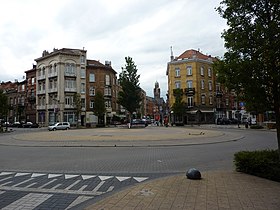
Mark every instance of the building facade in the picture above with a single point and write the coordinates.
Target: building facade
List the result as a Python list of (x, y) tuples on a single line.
[(30, 100), (59, 76), (192, 72), (103, 78)]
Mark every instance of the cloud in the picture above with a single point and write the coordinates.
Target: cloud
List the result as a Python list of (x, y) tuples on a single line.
[(109, 30)]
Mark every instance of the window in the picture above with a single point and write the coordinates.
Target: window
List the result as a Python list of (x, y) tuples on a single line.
[(177, 84), (91, 104), (189, 84), (209, 72), (190, 101), (50, 84), (203, 99), (177, 72), (210, 85), (107, 91), (108, 104), (83, 87), (70, 84), (70, 68), (32, 80), (83, 103), (202, 71), (91, 77), (227, 101), (202, 84), (107, 79), (218, 87), (69, 100), (91, 91), (83, 59), (83, 73), (210, 100), (189, 70)]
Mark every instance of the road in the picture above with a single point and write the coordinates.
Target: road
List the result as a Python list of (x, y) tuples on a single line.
[(81, 175)]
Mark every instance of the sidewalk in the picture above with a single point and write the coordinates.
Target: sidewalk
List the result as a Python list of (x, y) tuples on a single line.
[(216, 190)]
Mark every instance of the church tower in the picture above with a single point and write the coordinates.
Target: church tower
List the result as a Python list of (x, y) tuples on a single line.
[(157, 92)]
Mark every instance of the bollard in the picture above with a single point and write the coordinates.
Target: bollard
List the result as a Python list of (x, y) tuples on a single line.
[(193, 173)]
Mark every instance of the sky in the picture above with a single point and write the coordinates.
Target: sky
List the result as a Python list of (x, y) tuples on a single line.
[(109, 30)]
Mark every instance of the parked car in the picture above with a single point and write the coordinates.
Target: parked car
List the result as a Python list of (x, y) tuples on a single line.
[(138, 123), (234, 121), (29, 125), (17, 125), (223, 121), (59, 126)]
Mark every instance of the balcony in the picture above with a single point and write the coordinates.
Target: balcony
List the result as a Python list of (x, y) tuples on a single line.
[(53, 74), (41, 92), (70, 89), (189, 91), (70, 74), (52, 90), (40, 107), (41, 77)]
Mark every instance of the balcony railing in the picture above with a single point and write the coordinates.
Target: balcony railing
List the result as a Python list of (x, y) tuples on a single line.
[(70, 89), (41, 77), (189, 91), (53, 74), (52, 90), (41, 91)]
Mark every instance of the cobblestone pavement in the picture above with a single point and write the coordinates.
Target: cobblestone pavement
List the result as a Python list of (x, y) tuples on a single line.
[(216, 190)]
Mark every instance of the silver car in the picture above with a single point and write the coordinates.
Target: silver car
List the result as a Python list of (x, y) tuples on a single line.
[(59, 126)]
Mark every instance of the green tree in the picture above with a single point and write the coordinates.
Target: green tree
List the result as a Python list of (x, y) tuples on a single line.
[(78, 106), (99, 107), (178, 107), (251, 64), (4, 107), (130, 95)]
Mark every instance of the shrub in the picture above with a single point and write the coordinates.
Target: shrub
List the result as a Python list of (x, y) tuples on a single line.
[(256, 127), (264, 163)]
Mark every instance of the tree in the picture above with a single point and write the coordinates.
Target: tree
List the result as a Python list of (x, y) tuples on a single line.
[(251, 65), (130, 95), (99, 107), (78, 105), (178, 107), (3, 104)]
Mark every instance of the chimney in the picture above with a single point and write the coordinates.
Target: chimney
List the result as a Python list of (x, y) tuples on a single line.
[(108, 63), (171, 56)]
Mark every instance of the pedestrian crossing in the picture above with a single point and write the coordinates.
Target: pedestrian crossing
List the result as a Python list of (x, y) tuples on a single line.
[(22, 189)]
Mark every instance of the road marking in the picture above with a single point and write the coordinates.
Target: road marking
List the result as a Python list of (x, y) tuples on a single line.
[(103, 178), (140, 179), (72, 185), (34, 175), (44, 185), (70, 176), (122, 178), (50, 176), (6, 173), (29, 201), (21, 174), (98, 186), (28, 180), (84, 177)]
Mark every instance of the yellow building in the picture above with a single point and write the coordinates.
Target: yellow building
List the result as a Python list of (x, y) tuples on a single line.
[(192, 72)]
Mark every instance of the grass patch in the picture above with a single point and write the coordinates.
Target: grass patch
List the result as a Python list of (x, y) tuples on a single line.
[(264, 163)]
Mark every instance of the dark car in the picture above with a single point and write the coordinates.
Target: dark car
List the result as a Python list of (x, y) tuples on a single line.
[(30, 125), (223, 121), (234, 121)]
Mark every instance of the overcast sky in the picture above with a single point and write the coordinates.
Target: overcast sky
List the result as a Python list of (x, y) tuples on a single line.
[(109, 30)]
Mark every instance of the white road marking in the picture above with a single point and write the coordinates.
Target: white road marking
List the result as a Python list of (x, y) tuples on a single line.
[(122, 178), (6, 173), (67, 176), (21, 174), (84, 177), (72, 185), (27, 180), (103, 178), (37, 175), (54, 175), (140, 179)]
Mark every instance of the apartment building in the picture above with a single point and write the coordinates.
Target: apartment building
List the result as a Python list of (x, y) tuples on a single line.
[(103, 78), (192, 72), (30, 100), (59, 76)]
